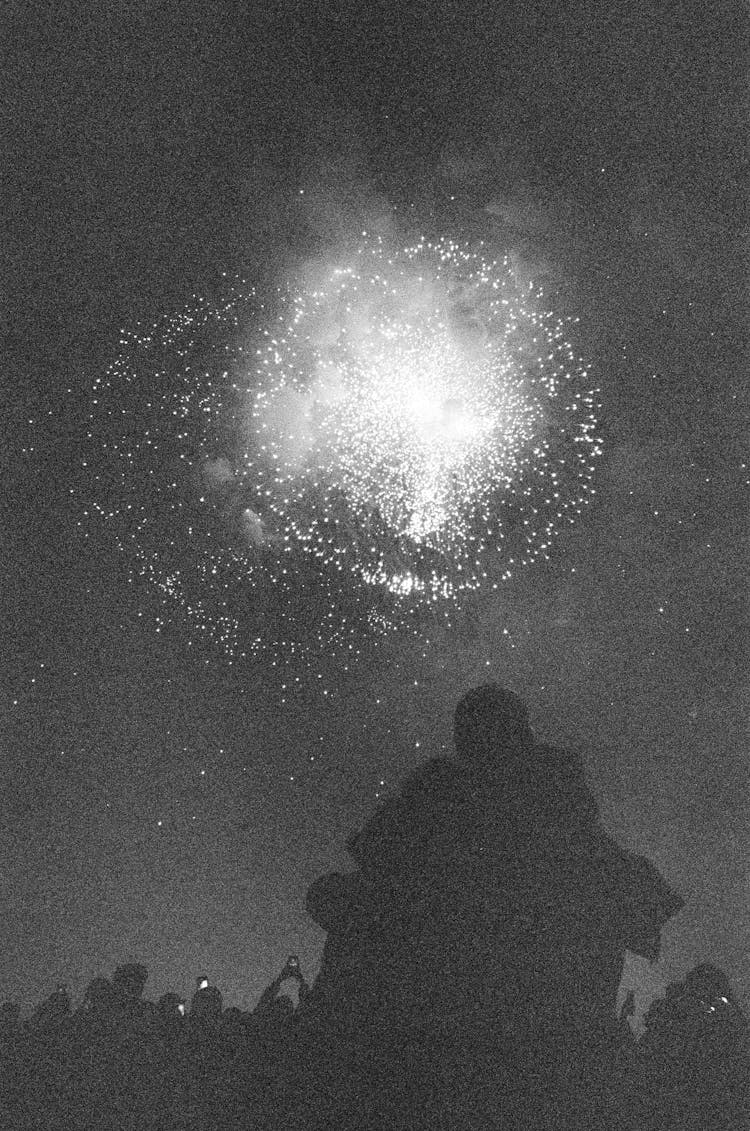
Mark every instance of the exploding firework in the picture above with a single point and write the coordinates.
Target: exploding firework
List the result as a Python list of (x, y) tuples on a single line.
[(397, 433)]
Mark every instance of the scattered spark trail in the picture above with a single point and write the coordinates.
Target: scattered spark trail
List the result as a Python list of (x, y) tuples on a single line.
[(397, 433)]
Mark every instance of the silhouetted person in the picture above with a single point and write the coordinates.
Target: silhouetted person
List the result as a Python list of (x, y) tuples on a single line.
[(206, 1005), (99, 999), (128, 982), (490, 912), (170, 1014), (100, 1013), (171, 1007), (273, 1031), (290, 972), (491, 723), (694, 1056), (55, 1009)]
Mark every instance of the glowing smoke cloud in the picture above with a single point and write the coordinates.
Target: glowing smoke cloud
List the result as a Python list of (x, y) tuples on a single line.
[(410, 428)]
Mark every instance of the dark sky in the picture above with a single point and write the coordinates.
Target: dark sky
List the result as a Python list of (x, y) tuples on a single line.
[(159, 804)]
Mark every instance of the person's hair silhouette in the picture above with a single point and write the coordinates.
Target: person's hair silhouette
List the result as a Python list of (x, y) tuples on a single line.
[(490, 723)]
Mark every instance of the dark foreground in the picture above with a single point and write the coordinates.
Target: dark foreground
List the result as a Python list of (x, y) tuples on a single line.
[(468, 981)]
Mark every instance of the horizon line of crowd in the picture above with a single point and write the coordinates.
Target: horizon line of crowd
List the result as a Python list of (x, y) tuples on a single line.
[(123, 994)]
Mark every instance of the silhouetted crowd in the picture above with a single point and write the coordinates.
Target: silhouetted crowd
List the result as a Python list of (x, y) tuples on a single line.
[(468, 981), (119, 1060)]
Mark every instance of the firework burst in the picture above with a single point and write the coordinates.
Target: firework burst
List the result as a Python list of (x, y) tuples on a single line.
[(401, 431)]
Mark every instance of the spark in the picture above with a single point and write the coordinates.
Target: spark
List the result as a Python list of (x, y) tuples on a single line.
[(383, 439)]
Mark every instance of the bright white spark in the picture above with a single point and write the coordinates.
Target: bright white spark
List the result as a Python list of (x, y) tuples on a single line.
[(408, 428)]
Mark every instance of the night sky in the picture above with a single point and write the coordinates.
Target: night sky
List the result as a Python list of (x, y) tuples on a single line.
[(162, 804)]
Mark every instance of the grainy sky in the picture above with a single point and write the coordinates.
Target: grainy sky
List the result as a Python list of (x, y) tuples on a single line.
[(162, 805)]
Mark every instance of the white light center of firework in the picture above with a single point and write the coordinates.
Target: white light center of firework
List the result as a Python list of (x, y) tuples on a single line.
[(408, 427)]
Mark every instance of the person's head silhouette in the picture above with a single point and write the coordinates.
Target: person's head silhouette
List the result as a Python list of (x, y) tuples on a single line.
[(490, 724), (99, 996), (207, 1004), (129, 981)]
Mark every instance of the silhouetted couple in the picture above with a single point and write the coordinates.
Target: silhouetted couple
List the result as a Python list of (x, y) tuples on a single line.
[(484, 932)]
